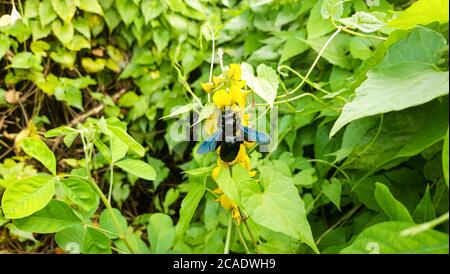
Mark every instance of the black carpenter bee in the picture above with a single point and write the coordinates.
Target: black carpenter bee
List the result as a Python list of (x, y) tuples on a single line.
[(230, 135)]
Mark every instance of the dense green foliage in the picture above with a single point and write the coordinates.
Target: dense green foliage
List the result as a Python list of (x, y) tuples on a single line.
[(87, 96)]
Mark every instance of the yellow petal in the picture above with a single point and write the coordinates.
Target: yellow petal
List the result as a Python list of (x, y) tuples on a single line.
[(218, 191), (234, 73), (227, 203), (237, 96), (236, 215), (221, 98), (217, 80), (207, 87), (215, 172)]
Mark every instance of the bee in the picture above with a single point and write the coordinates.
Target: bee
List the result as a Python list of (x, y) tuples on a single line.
[(230, 135)]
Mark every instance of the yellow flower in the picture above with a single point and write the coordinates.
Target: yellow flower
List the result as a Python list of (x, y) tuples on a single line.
[(228, 204), (207, 87), (217, 80), (234, 73), (222, 98)]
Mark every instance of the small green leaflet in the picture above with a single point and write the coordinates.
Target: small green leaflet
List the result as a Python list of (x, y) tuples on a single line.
[(138, 168), (363, 21), (332, 9), (265, 85), (25, 197), (161, 233), (55, 217), (39, 150), (395, 210)]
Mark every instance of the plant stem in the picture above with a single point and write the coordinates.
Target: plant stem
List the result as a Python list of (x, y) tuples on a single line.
[(111, 170), (322, 50), (341, 220), (228, 240), (251, 236), (247, 251), (102, 196), (425, 226), (113, 216)]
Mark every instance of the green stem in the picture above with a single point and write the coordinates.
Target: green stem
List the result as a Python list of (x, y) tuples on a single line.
[(113, 216), (111, 170), (102, 195), (247, 251), (228, 240), (341, 220), (103, 230), (425, 226), (251, 236)]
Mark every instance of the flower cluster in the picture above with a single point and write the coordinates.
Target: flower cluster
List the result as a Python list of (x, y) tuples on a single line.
[(228, 92)]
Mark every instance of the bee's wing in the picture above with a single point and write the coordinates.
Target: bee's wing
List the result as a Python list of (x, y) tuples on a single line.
[(210, 143), (251, 135)]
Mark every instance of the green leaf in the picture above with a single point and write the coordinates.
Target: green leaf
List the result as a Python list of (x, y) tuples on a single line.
[(265, 85), (78, 42), (424, 211), (188, 207), (118, 148), (305, 177), (112, 19), (26, 60), (333, 191), (65, 9), (137, 244), (138, 168), (395, 210), (445, 163), (363, 21), (107, 223), (71, 95), (385, 238), (316, 26), (81, 239), (55, 217), (278, 207), (132, 144), (161, 37), (401, 80), (62, 130), (291, 48), (332, 9), (353, 134), (152, 9), (31, 8), (91, 6), (65, 58), (38, 149), (128, 10), (46, 12), (81, 24), (161, 233), (231, 184), (25, 197), (64, 32), (80, 192), (93, 66), (4, 45), (39, 48), (422, 12), (335, 52)]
